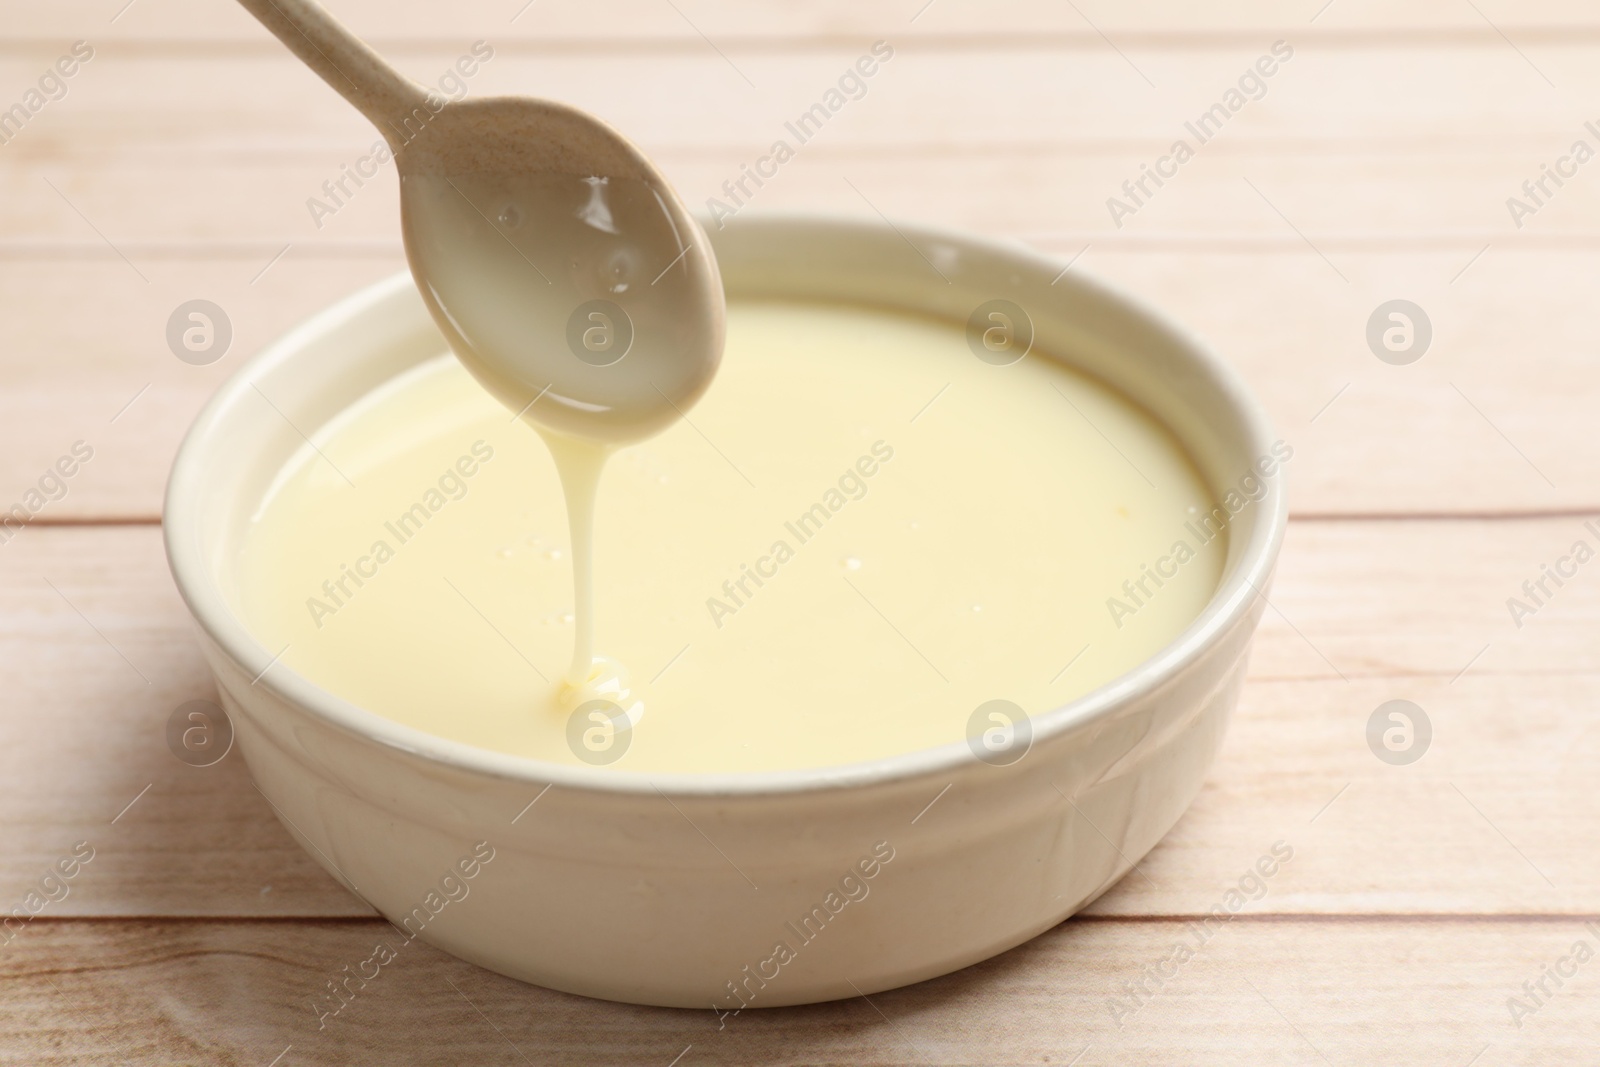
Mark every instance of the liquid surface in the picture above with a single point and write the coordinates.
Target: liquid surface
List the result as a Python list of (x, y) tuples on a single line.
[(864, 534)]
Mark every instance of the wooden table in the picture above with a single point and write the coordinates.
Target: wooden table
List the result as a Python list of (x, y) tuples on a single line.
[(1376, 166)]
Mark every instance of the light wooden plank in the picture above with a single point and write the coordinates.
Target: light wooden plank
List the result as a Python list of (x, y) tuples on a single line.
[(99, 654), (1495, 818), (1498, 817), (1300, 992), (1477, 425), (106, 377), (190, 110), (1302, 198)]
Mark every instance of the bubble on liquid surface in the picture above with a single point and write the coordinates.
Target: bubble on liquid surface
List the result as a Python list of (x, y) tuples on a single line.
[(850, 563)]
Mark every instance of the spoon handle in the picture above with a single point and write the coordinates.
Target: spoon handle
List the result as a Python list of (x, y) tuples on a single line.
[(344, 61)]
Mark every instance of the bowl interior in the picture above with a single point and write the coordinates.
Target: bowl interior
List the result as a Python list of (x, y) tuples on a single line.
[(283, 396)]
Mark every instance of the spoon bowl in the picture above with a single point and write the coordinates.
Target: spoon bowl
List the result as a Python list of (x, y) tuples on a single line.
[(572, 283), (561, 266)]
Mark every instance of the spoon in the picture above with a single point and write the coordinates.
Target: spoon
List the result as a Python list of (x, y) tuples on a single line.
[(558, 262), (560, 265)]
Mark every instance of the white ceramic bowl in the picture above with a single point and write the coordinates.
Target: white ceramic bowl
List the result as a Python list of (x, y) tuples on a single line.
[(676, 890)]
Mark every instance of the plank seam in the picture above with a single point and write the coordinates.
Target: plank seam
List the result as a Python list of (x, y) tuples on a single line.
[(1152, 918), (1007, 40)]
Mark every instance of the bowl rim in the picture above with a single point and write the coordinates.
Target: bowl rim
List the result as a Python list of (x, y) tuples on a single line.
[(1229, 607)]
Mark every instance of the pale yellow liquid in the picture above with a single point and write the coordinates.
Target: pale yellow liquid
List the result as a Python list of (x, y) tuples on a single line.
[(974, 564)]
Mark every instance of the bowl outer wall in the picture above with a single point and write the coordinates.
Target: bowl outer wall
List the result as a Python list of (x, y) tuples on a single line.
[(663, 889)]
